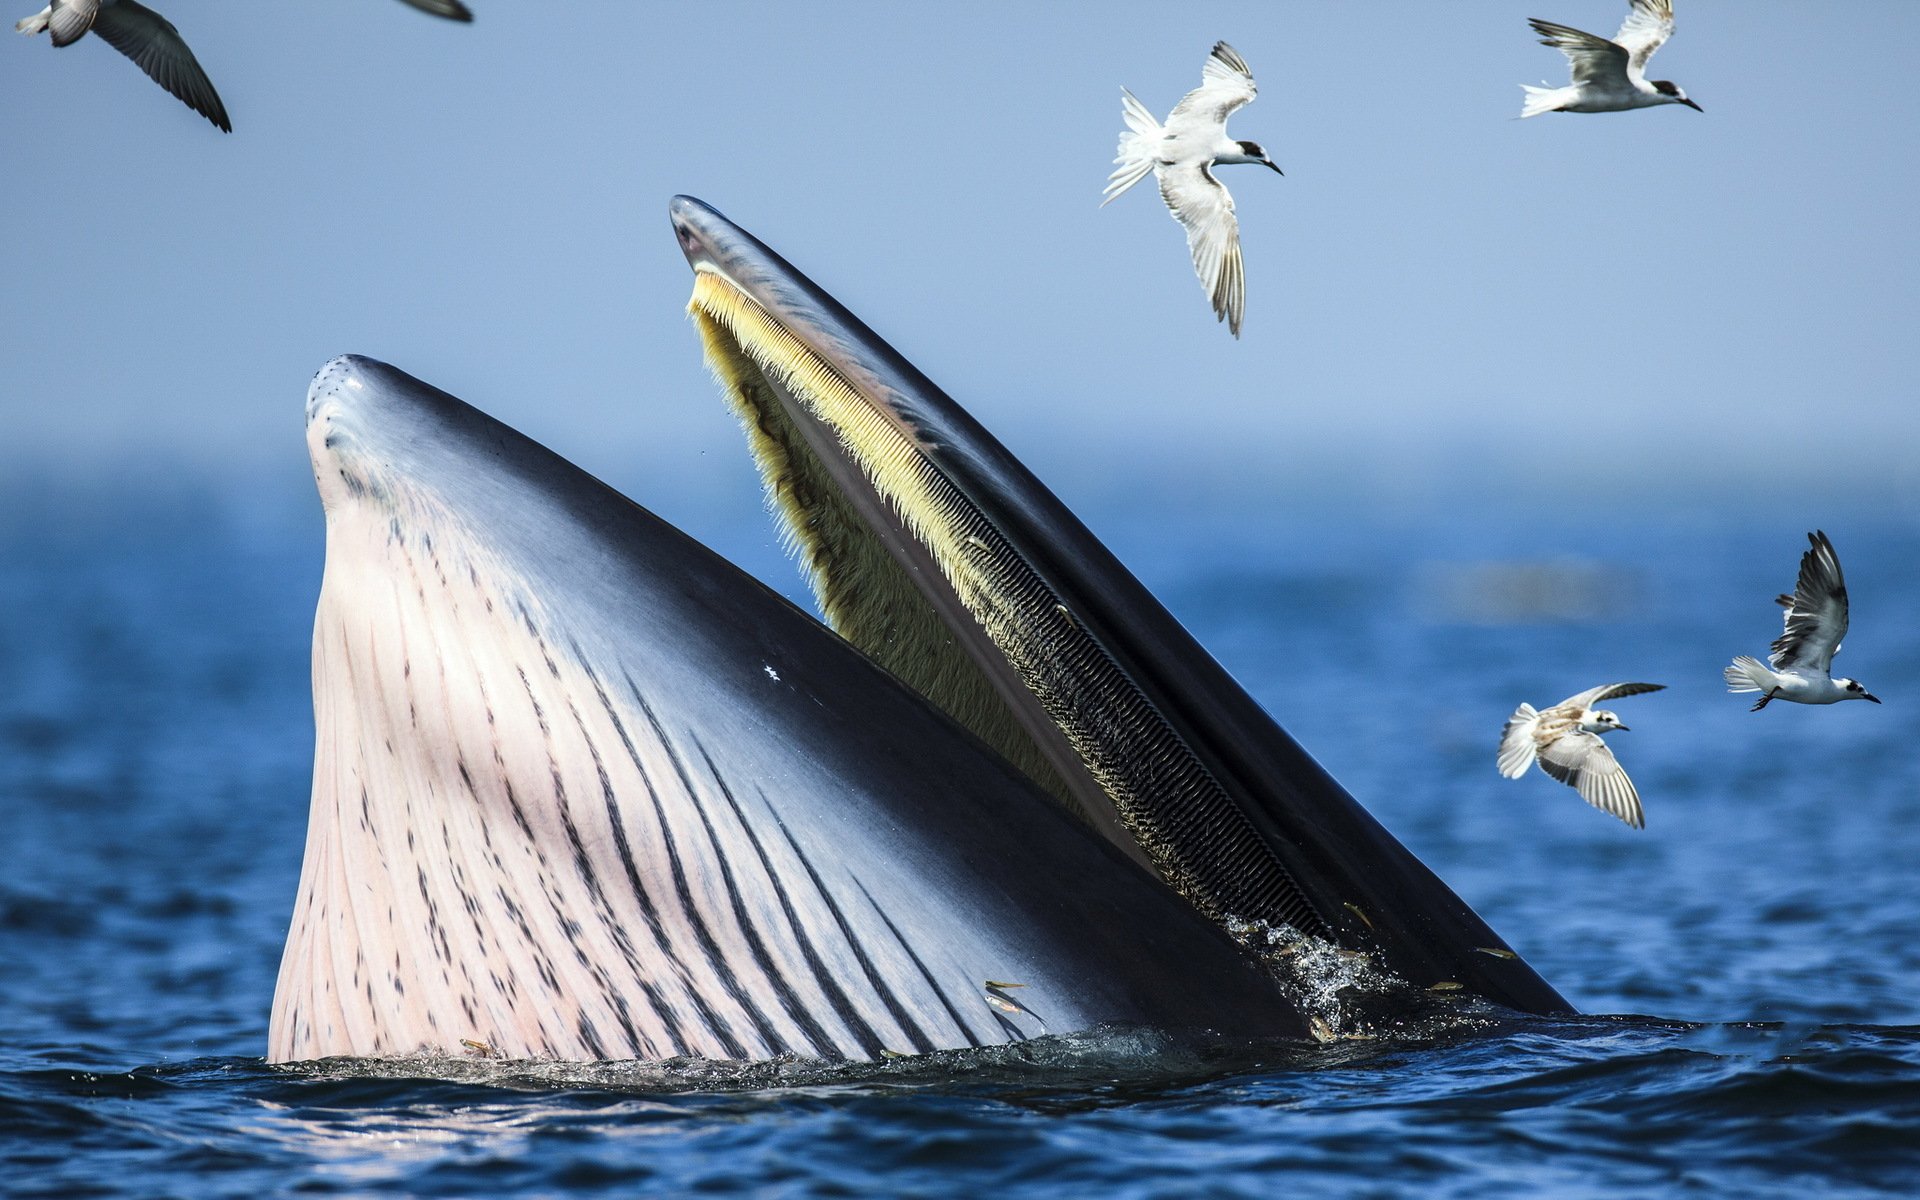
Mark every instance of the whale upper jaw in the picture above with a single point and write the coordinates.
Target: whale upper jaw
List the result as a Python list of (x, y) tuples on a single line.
[(935, 551)]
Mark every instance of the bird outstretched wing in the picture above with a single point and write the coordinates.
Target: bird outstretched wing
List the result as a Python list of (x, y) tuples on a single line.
[(452, 10), (1575, 705), (1595, 59), (1226, 83), (1204, 208), (1583, 762), (156, 47), (1648, 25), (1816, 616)]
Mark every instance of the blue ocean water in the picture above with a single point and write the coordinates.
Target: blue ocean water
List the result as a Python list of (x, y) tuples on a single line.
[(1749, 960)]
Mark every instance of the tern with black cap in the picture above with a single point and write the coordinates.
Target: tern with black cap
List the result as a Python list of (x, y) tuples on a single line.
[(1182, 154), (1802, 656), (1609, 76)]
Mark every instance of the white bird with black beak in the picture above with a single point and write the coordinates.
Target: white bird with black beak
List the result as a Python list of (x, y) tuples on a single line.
[(1609, 76), (1565, 741), (1802, 656), (1181, 155)]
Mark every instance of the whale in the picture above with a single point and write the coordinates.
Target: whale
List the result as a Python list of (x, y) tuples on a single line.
[(585, 791)]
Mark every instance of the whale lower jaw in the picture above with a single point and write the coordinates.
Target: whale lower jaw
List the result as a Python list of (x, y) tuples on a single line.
[(584, 791)]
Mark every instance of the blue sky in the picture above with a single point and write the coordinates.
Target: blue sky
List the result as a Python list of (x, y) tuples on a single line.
[(1445, 305)]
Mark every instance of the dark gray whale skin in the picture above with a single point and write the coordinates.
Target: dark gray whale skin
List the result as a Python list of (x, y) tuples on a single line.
[(1334, 869)]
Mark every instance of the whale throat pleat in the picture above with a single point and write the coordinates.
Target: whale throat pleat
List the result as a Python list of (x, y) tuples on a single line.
[(510, 849)]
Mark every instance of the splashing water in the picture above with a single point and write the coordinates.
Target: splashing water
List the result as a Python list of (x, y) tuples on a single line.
[(1347, 996)]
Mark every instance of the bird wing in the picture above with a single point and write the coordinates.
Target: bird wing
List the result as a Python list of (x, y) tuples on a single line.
[(1595, 59), (1226, 83), (453, 10), (1583, 762), (1648, 25), (1575, 705), (155, 46), (1816, 616), (1198, 202)]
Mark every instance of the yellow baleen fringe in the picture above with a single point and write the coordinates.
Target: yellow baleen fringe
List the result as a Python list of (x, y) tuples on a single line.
[(862, 592), (1165, 797)]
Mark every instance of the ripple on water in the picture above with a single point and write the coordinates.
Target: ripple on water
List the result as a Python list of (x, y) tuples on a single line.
[(155, 753)]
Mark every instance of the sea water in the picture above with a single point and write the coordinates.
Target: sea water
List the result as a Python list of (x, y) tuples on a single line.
[(1749, 963)]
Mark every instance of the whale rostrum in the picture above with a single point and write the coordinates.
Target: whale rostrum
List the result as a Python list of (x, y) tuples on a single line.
[(583, 790), (1032, 634)]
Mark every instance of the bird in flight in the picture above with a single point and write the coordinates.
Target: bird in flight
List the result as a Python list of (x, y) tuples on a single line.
[(1565, 741), (141, 34), (156, 47), (1181, 155), (1802, 656), (1609, 76)]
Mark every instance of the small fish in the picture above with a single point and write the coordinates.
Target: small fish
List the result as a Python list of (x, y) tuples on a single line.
[(1497, 952), (1447, 985), (1357, 911), (480, 1048)]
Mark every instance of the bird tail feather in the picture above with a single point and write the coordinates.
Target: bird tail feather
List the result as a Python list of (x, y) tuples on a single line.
[(37, 23), (1137, 147), (1539, 100), (1747, 674), (1516, 742), (70, 22)]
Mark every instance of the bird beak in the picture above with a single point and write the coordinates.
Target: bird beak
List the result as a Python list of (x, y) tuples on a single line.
[(1871, 696), (1695, 107), (1274, 165), (1623, 729)]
